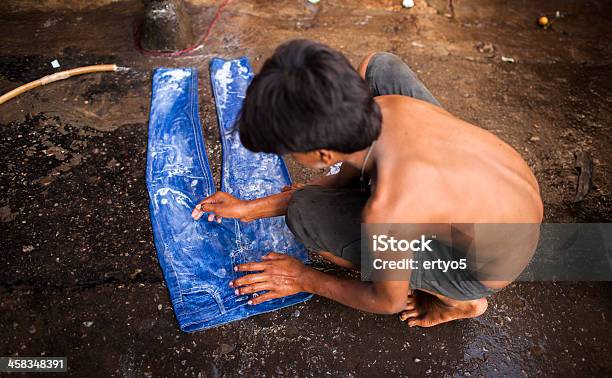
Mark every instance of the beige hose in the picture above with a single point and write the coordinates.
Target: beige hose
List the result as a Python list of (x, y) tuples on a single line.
[(55, 77)]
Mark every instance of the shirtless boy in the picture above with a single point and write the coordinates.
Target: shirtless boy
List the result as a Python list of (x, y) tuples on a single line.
[(423, 165)]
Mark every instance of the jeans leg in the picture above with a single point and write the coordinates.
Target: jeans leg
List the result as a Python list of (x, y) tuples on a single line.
[(249, 175), (190, 252)]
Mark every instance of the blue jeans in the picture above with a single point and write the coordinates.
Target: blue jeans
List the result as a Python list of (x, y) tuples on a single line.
[(197, 257)]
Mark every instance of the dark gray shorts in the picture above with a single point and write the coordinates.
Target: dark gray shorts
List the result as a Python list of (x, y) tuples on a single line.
[(327, 219), (386, 74)]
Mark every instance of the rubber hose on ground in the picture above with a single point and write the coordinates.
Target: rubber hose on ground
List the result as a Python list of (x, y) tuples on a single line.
[(56, 77)]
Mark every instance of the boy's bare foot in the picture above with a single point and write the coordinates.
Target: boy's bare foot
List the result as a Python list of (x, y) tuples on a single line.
[(427, 310)]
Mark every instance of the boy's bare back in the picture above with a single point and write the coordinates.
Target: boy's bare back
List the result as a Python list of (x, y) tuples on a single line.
[(434, 168)]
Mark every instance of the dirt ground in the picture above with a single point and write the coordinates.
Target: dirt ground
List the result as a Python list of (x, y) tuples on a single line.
[(80, 276)]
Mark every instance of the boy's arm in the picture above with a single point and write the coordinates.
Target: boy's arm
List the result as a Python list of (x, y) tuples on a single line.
[(281, 275), (224, 205), (276, 204)]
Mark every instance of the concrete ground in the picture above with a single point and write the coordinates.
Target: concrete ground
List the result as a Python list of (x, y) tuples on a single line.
[(80, 276)]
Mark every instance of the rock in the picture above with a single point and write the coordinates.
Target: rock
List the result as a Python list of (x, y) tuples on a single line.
[(167, 26), (485, 48), (440, 49), (292, 332), (6, 215), (32, 329), (135, 273), (27, 248), (408, 3), (534, 139), (416, 360), (227, 348), (88, 324)]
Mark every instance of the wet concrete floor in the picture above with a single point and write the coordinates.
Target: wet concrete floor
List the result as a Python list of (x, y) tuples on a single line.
[(80, 276)]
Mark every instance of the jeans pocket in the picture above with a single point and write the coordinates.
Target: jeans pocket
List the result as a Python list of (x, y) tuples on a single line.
[(197, 306)]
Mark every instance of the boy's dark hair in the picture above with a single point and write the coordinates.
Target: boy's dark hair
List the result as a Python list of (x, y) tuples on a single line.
[(307, 96)]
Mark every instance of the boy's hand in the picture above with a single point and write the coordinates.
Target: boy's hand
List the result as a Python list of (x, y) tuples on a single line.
[(222, 205), (279, 275)]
